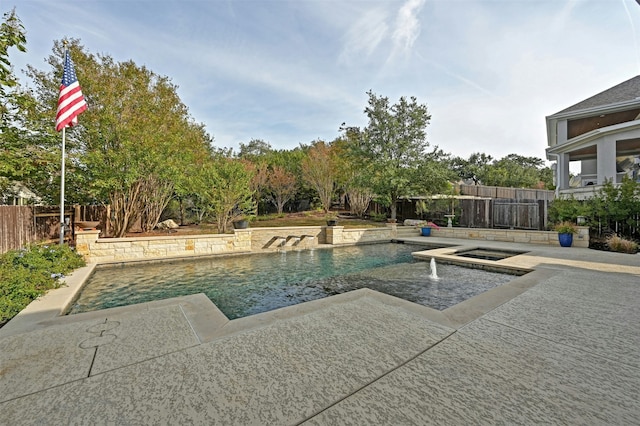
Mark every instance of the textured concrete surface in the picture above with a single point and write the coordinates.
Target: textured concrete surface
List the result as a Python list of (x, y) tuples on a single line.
[(488, 373), (558, 346)]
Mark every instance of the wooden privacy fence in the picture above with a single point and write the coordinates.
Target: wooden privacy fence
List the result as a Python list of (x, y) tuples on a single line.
[(480, 206), (22, 225), (503, 213), (513, 208), (507, 193), (16, 227)]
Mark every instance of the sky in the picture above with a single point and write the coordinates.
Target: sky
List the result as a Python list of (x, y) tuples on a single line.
[(292, 71)]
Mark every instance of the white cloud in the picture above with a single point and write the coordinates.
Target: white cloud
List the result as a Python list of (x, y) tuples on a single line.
[(407, 27), (364, 36)]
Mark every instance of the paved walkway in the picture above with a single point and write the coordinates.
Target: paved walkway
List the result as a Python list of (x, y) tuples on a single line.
[(558, 346)]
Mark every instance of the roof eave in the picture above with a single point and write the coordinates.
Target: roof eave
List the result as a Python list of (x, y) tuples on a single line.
[(585, 138), (552, 120), (586, 112)]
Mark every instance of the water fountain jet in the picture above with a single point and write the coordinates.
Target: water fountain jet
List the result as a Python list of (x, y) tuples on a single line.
[(434, 272)]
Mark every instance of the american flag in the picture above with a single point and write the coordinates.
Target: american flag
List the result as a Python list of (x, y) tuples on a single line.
[(70, 102)]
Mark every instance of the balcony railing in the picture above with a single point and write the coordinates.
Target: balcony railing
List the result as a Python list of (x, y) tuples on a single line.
[(590, 180)]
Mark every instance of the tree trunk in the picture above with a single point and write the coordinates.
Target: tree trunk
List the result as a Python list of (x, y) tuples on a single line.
[(181, 211), (154, 196), (125, 209), (394, 207)]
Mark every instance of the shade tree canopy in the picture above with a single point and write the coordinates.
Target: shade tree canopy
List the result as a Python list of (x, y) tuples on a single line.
[(395, 147), (18, 162), (320, 170), (512, 170), (136, 138)]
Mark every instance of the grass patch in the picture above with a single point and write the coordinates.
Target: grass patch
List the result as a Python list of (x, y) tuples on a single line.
[(28, 273), (621, 245)]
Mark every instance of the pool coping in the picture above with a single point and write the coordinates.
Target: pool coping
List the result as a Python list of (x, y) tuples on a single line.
[(209, 323)]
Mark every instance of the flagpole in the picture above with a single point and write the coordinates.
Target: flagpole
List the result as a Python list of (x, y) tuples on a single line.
[(62, 189), (64, 43), (71, 103)]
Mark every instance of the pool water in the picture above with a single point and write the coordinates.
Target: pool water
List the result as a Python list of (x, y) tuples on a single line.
[(249, 284), (488, 254)]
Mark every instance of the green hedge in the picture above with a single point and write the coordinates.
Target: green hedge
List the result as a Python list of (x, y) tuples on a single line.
[(28, 273)]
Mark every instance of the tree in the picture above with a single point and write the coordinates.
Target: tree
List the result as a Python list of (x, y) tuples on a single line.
[(188, 184), (254, 149), (394, 144), (353, 175), (12, 34), (475, 168), (16, 163), (281, 187), (134, 142), (230, 196), (276, 178), (319, 171), (515, 171)]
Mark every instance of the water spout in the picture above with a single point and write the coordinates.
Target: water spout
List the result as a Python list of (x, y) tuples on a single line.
[(434, 272)]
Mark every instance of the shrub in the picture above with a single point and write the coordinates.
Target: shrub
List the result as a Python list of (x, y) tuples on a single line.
[(566, 228), (28, 273), (621, 245), (378, 217)]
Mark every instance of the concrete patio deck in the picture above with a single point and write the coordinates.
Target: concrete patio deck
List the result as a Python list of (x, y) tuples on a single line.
[(558, 346)]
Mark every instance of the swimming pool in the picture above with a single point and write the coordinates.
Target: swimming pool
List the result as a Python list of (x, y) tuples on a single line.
[(249, 284)]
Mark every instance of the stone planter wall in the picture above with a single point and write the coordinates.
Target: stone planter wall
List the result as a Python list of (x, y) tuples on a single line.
[(339, 235), (109, 250), (105, 250), (581, 239)]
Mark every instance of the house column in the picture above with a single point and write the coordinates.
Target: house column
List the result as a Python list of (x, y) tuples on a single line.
[(562, 171), (606, 162), (561, 132)]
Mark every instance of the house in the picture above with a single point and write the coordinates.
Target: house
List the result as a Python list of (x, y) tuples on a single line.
[(17, 194), (603, 134)]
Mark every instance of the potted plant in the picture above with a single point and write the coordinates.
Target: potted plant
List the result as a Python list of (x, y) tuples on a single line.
[(332, 220), (426, 228), (565, 232), (243, 214), (241, 223)]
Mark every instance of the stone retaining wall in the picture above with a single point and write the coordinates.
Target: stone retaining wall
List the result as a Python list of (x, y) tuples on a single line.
[(512, 235), (339, 235), (107, 250), (289, 237)]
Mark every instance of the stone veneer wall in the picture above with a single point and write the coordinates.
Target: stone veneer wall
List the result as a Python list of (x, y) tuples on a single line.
[(106, 250), (338, 235), (286, 237), (512, 235)]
